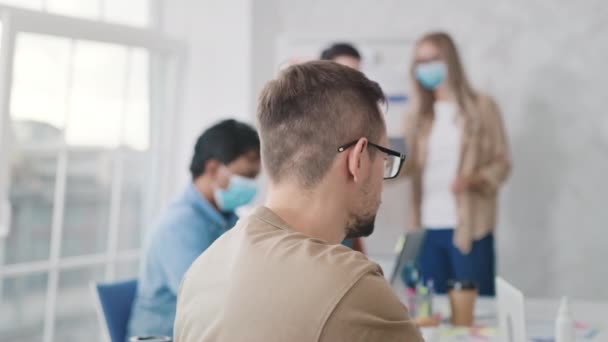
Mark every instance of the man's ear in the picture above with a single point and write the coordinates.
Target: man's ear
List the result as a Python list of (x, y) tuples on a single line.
[(212, 167), (356, 155)]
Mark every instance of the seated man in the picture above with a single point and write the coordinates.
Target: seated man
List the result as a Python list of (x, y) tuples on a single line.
[(226, 160), (282, 274)]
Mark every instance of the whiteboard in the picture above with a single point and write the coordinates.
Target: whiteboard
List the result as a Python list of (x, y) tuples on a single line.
[(385, 60)]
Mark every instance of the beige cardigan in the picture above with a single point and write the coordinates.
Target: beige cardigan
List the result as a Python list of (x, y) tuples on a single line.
[(484, 153)]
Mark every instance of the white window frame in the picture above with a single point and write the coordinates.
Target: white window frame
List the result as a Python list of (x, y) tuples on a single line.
[(166, 71)]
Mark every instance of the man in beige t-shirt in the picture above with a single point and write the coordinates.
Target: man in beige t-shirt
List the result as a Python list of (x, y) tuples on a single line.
[(281, 274)]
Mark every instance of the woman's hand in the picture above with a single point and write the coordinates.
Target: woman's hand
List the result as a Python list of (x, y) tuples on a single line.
[(459, 185), (465, 183), (463, 242)]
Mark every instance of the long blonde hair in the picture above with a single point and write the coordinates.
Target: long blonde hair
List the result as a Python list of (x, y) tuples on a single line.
[(457, 81)]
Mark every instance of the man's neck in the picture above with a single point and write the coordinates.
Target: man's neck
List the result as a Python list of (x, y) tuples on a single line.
[(205, 189), (317, 213)]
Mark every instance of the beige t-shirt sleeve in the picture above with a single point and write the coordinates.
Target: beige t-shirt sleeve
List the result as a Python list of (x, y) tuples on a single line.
[(370, 311)]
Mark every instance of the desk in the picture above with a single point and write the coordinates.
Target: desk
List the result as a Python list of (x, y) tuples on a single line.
[(540, 314)]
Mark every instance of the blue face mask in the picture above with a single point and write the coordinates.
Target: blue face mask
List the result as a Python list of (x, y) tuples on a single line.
[(431, 75), (240, 191)]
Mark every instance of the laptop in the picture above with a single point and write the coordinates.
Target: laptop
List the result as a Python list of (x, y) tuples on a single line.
[(408, 252)]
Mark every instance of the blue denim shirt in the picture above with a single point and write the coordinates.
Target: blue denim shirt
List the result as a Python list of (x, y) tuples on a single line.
[(186, 229)]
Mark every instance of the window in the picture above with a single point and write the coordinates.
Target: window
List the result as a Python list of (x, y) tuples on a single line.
[(128, 12), (82, 142)]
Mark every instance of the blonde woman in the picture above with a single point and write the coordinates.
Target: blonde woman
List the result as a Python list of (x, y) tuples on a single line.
[(458, 158)]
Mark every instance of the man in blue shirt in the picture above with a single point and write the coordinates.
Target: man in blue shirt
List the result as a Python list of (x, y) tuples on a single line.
[(225, 163)]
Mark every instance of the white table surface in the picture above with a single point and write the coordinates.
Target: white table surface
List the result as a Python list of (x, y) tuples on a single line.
[(540, 315)]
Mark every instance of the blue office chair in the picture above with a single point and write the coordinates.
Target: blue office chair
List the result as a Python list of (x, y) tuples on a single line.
[(114, 307)]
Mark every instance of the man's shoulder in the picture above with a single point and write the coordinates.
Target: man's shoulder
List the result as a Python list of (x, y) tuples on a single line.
[(178, 217), (276, 250), (309, 258), (178, 222), (373, 292), (370, 308), (178, 212), (339, 258)]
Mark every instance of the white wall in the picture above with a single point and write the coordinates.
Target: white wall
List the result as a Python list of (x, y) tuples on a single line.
[(230, 51), (545, 62)]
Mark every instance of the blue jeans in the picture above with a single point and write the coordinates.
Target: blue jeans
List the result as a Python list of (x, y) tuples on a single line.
[(441, 261)]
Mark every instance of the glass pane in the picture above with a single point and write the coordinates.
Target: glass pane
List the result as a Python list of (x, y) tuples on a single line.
[(93, 134), (31, 197), (136, 153), (79, 8), (38, 101), (132, 12), (137, 121), (40, 81), (132, 218), (87, 201), (22, 302), (97, 97), (76, 317)]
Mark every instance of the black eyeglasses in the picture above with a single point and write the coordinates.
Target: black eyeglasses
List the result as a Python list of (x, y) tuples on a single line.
[(392, 163)]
